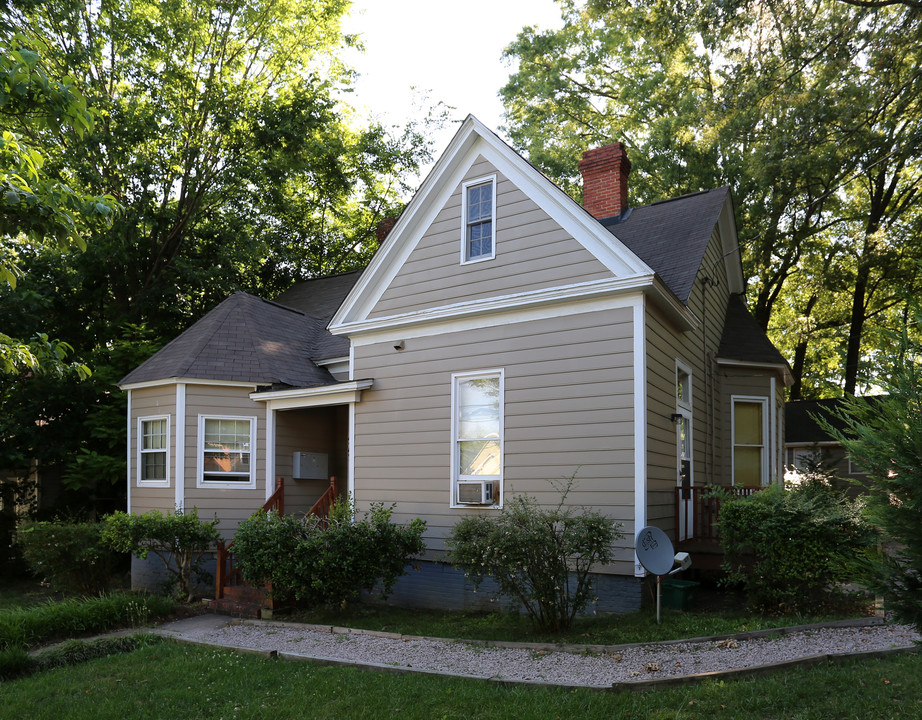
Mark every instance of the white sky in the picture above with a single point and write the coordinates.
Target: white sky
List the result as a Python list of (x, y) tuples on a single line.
[(449, 51)]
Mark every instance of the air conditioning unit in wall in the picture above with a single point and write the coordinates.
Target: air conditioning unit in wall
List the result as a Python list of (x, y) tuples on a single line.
[(477, 492), (310, 466)]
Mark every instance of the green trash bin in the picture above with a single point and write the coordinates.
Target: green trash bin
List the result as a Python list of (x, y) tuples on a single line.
[(679, 594)]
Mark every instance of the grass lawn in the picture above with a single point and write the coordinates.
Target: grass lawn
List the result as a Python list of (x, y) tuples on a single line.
[(179, 681), (716, 614)]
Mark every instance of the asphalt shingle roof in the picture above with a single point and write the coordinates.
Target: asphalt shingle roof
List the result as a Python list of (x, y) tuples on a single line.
[(743, 339), (672, 236), (244, 339)]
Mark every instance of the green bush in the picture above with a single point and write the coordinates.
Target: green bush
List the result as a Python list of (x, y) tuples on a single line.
[(70, 556), (788, 546), (883, 435), (538, 556), (179, 539), (17, 662), (31, 626), (328, 566)]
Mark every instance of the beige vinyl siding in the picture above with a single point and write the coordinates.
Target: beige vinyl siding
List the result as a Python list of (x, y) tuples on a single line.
[(532, 253), (147, 402), (317, 430), (568, 406), (696, 349), (749, 382), (235, 504)]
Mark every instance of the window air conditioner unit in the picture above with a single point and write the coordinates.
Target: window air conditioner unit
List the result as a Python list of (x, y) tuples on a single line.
[(477, 492)]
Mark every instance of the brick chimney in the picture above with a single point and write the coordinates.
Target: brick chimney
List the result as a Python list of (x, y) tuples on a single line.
[(383, 229), (605, 172)]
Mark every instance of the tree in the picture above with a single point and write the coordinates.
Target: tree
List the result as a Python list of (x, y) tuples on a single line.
[(810, 112), (883, 435), (37, 206), (220, 128)]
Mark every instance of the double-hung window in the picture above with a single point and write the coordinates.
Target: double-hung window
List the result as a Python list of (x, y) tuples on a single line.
[(479, 220), (154, 451), (477, 438), (226, 451), (750, 440)]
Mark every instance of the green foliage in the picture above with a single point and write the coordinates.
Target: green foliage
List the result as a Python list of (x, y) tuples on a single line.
[(540, 557), (17, 662), (883, 434), (70, 556), (31, 626), (787, 546), (327, 566), (179, 539), (810, 112)]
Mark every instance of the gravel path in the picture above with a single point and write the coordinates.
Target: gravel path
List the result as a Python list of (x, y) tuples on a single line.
[(544, 665)]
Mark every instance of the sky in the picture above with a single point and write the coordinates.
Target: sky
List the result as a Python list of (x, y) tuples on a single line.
[(450, 52)]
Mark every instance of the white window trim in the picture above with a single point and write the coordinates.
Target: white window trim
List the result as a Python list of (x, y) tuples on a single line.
[(685, 409), (200, 454), (465, 258), (141, 452), (766, 448), (497, 480)]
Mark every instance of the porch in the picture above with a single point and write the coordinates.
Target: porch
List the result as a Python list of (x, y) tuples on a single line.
[(697, 526)]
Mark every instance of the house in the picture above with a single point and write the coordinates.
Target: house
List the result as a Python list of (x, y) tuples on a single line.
[(502, 337), (807, 444)]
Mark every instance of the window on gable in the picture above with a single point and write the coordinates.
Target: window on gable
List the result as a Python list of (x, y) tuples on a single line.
[(477, 445), (479, 220), (750, 441), (226, 450), (153, 451)]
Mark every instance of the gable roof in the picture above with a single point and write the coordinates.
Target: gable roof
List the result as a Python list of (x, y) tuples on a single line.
[(743, 339), (244, 339), (474, 140), (671, 236), (319, 299)]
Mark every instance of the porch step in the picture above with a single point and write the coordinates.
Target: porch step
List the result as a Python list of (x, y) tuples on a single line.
[(235, 608), (245, 594)]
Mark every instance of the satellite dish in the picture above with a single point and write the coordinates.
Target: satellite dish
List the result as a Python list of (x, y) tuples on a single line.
[(654, 550)]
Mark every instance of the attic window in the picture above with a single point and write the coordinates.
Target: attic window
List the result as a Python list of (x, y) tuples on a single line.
[(479, 220)]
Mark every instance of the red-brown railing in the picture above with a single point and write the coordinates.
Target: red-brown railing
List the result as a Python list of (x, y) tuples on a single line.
[(227, 574), (322, 507), (697, 511)]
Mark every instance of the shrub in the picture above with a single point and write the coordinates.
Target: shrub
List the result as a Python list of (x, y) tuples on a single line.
[(538, 556), (70, 556), (883, 434), (326, 566), (17, 662), (798, 541), (27, 627), (178, 539)]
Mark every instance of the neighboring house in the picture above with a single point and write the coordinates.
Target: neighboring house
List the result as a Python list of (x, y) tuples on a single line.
[(806, 443), (502, 337)]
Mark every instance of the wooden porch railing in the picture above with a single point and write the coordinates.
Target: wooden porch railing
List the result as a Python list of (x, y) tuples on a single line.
[(322, 507), (697, 511), (227, 574)]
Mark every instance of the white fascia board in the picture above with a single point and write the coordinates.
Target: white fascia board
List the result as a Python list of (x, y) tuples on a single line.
[(340, 394), (188, 381), (730, 245), (516, 302), (665, 299), (780, 368), (474, 139)]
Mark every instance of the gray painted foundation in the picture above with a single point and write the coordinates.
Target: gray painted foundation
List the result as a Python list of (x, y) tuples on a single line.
[(436, 585)]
